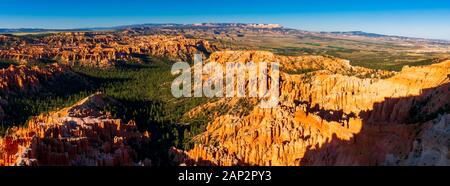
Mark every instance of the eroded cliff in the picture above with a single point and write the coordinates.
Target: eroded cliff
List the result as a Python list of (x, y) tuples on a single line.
[(24, 80), (298, 64), (333, 119), (82, 134), (102, 49), (21, 78)]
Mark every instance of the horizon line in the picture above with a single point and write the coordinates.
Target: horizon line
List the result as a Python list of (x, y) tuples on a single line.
[(100, 28)]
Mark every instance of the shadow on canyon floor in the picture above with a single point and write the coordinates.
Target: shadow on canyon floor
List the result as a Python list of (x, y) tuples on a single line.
[(390, 128), (327, 115)]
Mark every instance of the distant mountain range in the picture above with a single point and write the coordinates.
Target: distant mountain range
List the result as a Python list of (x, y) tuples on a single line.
[(37, 30), (148, 25), (219, 25)]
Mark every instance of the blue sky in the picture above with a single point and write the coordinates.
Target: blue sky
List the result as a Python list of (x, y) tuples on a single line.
[(426, 18)]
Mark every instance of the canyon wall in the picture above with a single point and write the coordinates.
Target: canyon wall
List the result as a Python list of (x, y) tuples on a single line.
[(298, 64), (16, 80), (82, 134), (102, 50), (334, 119)]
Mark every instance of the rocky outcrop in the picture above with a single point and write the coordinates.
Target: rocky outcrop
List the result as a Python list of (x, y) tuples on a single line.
[(20, 79), (103, 49), (298, 64), (82, 134), (176, 48), (334, 119), (354, 95)]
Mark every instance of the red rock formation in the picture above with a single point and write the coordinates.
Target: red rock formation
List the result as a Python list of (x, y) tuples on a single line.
[(174, 48), (22, 78), (78, 135), (103, 49), (298, 63), (333, 119)]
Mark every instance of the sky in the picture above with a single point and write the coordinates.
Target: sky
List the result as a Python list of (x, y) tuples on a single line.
[(414, 18)]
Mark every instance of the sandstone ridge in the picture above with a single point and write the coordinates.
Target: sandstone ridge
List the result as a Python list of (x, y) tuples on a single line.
[(103, 50), (79, 135), (334, 119), (298, 64)]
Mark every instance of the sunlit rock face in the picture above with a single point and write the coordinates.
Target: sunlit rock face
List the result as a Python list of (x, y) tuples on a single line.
[(298, 64), (21, 79), (78, 135), (103, 50), (333, 119), (176, 48)]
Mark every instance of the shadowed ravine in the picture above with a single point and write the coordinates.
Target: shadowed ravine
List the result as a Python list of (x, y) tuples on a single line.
[(389, 140)]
